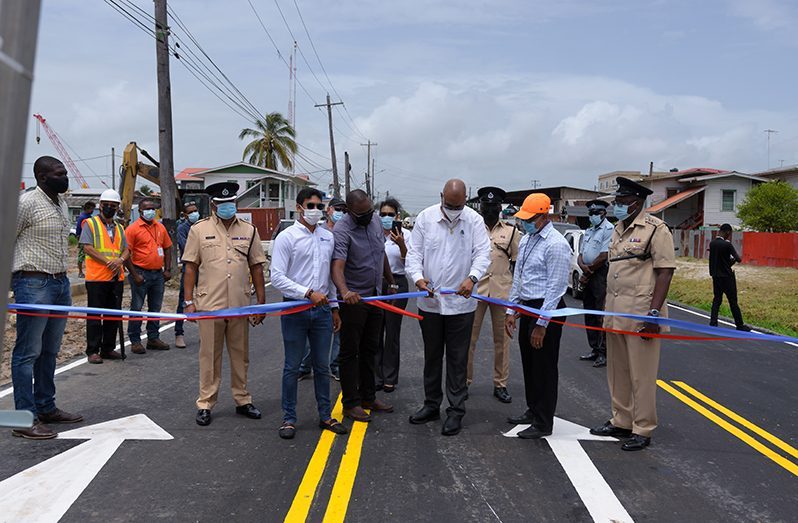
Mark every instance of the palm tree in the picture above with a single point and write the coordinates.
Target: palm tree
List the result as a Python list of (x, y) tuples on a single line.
[(273, 141)]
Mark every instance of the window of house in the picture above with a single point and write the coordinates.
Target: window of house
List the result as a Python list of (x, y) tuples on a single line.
[(727, 200), (671, 191), (252, 183)]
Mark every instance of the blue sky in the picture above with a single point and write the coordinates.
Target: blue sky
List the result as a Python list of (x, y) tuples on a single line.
[(496, 92)]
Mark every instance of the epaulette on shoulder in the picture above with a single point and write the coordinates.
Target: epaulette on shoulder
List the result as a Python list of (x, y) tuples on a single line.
[(653, 220), (202, 220)]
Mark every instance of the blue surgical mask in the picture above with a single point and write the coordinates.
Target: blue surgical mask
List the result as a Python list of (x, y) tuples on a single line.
[(193, 216), (226, 210), (621, 211), (595, 219), (337, 215), (148, 214), (530, 227), (387, 222)]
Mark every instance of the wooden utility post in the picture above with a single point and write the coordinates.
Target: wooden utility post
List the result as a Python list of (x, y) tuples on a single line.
[(369, 167), (113, 169), (347, 173), (329, 106), (166, 170), (19, 28), (373, 175)]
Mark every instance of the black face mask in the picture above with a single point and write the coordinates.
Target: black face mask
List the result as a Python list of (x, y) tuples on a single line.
[(59, 185), (108, 211), (364, 219), (491, 211)]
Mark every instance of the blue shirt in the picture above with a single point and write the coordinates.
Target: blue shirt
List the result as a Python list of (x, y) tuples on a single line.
[(596, 240), (541, 269), (182, 235), (79, 224)]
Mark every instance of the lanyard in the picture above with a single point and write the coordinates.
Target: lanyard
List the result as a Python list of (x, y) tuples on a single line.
[(527, 252)]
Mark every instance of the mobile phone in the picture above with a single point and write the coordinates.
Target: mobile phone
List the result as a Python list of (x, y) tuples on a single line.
[(397, 227)]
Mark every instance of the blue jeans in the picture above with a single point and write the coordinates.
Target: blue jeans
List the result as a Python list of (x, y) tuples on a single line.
[(38, 342), (152, 289), (304, 367), (312, 326)]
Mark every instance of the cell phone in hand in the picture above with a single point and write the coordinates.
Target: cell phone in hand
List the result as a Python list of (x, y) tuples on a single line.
[(397, 227)]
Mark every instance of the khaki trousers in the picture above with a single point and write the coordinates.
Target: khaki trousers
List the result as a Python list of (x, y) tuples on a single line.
[(501, 344), (632, 365), (213, 334)]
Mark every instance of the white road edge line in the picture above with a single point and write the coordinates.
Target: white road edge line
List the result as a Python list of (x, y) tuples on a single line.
[(69, 366)]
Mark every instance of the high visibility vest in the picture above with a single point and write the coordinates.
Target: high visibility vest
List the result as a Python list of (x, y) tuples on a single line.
[(97, 271)]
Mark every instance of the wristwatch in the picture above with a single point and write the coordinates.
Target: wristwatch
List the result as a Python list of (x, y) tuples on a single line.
[(654, 313), (473, 278), (393, 286), (187, 303)]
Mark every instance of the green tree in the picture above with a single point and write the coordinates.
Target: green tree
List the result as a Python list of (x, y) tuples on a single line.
[(146, 190), (272, 142), (770, 207)]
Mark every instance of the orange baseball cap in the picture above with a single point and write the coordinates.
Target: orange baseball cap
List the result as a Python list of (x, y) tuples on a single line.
[(535, 203)]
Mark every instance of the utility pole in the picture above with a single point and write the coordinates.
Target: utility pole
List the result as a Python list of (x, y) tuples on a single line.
[(347, 173), (535, 184), (769, 132), (166, 170), (329, 106), (19, 29), (113, 169), (369, 168), (373, 175)]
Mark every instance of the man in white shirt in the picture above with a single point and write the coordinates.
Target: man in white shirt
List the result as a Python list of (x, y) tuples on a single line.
[(449, 248), (300, 269)]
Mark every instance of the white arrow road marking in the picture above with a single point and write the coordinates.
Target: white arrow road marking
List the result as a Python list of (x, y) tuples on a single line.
[(599, 499), (45, 491)]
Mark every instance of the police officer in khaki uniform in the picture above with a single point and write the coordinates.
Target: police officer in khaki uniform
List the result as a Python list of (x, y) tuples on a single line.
[(496, 283), (642, 262), (221, 252)]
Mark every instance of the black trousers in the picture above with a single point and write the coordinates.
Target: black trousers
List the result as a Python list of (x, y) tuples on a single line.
[(725, 285), (361, 327), (449, 335), (593, 297), (101, 335), (540, 368), (387, 363)]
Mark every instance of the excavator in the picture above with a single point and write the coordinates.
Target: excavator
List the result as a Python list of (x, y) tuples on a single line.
[(131, 169)]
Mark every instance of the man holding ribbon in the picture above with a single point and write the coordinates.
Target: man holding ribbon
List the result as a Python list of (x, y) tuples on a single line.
[(642, 262), (449, 248), (221, 254)]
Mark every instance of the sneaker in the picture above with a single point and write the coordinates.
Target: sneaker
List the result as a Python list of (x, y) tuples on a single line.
[(180, 341)]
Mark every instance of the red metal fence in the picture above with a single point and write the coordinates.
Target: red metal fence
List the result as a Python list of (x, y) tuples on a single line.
[(265, 220), (775, 249)]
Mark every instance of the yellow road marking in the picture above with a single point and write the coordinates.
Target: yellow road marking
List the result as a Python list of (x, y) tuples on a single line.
[(786, 447), (746, 438), (345, 480), (300, 507)]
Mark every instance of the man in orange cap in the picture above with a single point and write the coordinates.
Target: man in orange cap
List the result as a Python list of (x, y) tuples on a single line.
[(540, 281)]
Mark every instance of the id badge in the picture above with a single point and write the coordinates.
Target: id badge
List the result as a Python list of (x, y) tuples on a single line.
[(160, 252)]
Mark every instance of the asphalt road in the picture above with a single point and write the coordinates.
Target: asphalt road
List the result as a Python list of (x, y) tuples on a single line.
[(239, 470)]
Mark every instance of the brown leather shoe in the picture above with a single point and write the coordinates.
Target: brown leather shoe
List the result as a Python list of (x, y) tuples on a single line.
[(37, 431), (377, 406), (95, 358), (138, 348), (59, 416), (111, 355), (157, 345), (357, 414)]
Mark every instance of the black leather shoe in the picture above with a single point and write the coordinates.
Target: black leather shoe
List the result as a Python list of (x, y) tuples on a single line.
[(589, 357), (636, 442), (203, 417), (424, 415), (524, 419), (452, 426), (744, 328), (608, 429), (502, 395), (249, 410), (533, 433), (601, 361)]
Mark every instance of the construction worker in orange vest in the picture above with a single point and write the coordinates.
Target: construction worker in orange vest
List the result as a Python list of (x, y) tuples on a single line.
[(106, 251)]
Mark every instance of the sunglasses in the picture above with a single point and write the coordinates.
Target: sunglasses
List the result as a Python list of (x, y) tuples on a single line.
[(384, 214), (311, 205), (340, 208)]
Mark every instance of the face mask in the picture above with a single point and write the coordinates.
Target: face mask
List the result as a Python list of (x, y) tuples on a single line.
[(387, 222), (312, 216), (193, 216), (451, 214), (59, 185), (108, 211), (226, 210), (621, 211), (148, 214), (364, 219), (491, 212), (337, 215), (530, 227), (595, 219)]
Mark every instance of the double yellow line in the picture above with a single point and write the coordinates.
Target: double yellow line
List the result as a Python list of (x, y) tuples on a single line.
[(344, 479), (731, 428)]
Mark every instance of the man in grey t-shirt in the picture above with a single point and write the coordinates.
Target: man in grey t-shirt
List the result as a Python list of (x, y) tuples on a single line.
[(358, 266)]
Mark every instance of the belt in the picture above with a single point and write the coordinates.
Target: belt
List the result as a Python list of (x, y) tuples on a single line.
[(147, 270), (39, 274)]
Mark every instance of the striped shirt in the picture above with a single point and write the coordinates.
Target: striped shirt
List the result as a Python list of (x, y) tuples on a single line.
[(541, 269), (42, 234)]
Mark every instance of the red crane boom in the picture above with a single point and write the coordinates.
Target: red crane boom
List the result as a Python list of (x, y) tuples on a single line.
[(73, 169)]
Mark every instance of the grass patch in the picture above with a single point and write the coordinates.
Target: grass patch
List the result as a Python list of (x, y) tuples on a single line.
[(768, 296)]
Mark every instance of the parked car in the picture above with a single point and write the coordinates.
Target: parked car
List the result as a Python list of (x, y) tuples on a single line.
[(574, 237), (268, 244)]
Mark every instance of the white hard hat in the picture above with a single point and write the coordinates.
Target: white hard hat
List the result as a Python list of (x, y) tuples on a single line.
[(110, 195)]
